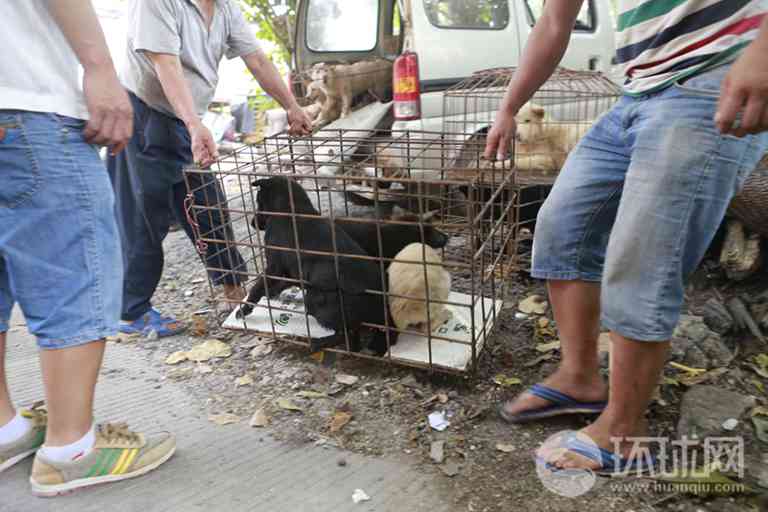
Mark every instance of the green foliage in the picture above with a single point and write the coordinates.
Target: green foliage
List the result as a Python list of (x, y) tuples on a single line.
[(276, 24)]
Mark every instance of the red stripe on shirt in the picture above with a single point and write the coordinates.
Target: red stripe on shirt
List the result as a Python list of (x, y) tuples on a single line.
[(737, 28)]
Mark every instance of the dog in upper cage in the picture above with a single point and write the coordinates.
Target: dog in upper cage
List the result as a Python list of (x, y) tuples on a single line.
[(542, 143), (333, 298)]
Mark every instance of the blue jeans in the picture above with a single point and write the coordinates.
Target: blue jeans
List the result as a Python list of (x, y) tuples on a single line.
[(149, 186), (639, 201), (59, 246)]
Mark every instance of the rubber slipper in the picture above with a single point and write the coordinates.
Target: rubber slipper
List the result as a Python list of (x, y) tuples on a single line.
[(562, 404), (152, 320), (611, 464)]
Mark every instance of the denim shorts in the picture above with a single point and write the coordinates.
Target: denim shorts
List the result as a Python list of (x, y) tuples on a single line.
[(60, 257), (639, 201)]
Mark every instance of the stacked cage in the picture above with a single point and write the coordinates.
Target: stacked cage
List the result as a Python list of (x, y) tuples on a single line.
[(548, 128), (384, 245)]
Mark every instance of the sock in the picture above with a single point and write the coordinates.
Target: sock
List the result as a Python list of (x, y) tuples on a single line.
[(71, 452), (15, 429)]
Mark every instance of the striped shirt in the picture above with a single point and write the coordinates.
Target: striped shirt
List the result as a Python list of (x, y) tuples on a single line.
[(662, 41)]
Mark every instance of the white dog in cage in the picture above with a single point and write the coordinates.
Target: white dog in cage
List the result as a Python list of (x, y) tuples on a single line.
[(544, 143), (417, 272)]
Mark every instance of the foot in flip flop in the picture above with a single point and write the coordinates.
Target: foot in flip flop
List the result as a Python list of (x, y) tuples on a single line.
[(557, 396), (152, 320), (580, 451)]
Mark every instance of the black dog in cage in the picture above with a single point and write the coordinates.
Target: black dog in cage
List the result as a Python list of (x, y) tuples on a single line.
[(394, 237), (335, 296)]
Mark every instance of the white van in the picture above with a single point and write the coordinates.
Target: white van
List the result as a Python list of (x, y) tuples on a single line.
[(449, 39)]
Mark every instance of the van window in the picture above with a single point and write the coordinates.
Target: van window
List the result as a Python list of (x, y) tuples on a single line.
[(479, 15), (342, 25), (585, 22)]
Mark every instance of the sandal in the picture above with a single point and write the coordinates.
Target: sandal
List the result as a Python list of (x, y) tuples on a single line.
[(152, 320), (562, 404)]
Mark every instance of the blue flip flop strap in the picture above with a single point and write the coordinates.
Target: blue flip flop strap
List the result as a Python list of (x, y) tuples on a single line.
[(552, 395), (609, 461)]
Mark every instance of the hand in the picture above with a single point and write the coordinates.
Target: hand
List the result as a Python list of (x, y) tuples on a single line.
[(204, 148), (111, 114), (299, 122), (501, 134), (745, 91)]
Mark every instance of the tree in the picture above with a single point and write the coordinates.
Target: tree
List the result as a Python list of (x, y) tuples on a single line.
[(276, 23)]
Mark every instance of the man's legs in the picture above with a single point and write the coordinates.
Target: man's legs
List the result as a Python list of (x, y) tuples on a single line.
[(142, 178), (70, 376), (681, 179), (569, 247)]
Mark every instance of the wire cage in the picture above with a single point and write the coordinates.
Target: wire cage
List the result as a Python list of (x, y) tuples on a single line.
[(391, 246), (549, 127)]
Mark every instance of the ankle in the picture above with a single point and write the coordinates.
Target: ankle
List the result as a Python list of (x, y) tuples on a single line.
[(7, 413), (581, 375), (68, 452)]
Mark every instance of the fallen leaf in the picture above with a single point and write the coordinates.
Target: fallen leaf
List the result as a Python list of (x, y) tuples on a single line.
[(450, 469), (703, 377), (539, 360), (442, 398), (288, 405), (758, 370), (504, 381), (762, 361), (177, 357), (245, 380), (761, 428), (359, 496), (311, 394), (208, 350), (224, 419), (347, 380), (506, 448), (548, 347), (339, 420), (535, 304), (261, 351), (199, 327), (669, 381), (259, 419), (759, 411), (759, 385), (543, 322), (690, 372)]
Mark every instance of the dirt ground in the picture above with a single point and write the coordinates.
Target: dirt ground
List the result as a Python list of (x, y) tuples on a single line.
[(488, 465)]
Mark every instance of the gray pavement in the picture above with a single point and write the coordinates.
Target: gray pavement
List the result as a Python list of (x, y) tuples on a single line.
[(229, 468)]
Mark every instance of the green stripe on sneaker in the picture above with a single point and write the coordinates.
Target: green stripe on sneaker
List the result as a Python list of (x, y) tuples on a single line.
[(97, 467), (110, 461), (40, 439)]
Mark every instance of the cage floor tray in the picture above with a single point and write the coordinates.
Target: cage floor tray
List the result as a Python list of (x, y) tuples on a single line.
[(288, 319)]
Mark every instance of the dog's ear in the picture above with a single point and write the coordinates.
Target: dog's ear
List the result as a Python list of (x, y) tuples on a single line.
[(262, 183), (537, 110)]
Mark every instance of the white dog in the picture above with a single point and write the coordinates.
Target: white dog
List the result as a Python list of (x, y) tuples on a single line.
[(408, 277), (543, 144)]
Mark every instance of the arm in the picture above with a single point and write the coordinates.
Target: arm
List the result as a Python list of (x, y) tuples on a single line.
[(745, 90), (270, 80), (543, 52), (176, 89), (111, 115)]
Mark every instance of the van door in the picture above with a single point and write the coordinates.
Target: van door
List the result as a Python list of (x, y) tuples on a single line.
[(592, 45)]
